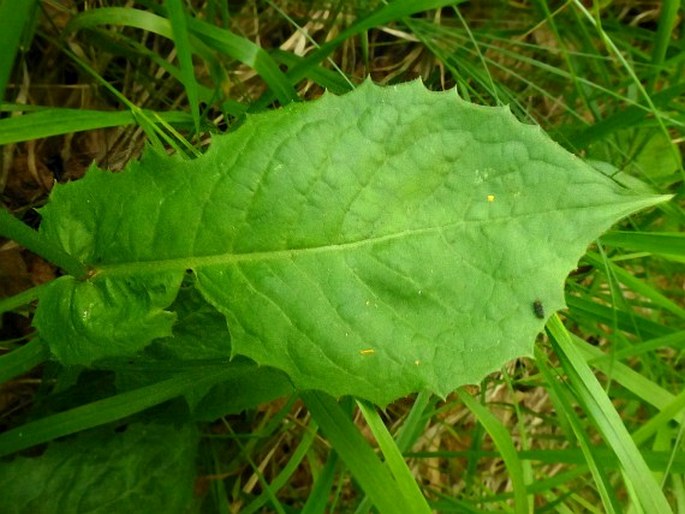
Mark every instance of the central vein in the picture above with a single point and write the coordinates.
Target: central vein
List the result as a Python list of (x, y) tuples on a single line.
[(195, 262)]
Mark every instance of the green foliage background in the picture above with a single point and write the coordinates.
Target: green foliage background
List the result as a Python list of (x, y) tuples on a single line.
[(579, 428)]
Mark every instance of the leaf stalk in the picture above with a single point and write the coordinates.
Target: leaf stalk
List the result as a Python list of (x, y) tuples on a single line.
[(30, 239)]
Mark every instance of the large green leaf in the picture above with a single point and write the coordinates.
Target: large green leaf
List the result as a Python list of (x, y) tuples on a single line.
[(382, 242)]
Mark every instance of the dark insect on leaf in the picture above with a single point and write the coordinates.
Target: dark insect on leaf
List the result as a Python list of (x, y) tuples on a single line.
[(538, 309)]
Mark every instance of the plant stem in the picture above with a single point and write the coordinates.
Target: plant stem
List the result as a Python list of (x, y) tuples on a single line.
[(23, 359), (23, 298), (30, 239)]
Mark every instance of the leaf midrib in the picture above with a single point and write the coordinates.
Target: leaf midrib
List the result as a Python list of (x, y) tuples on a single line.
[(226, 259)]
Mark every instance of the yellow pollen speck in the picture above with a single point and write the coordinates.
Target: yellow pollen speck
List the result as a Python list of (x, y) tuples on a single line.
[(417, 362), (368, 351), (491, 198)]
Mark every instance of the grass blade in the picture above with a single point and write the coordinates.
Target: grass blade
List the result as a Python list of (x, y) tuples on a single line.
[(318, 497), (502, 439), (53, 122), (600, 409), (628, 378), (386, 14), (370, 473), (637, 285), (563, 406), (248, 53), (179, 27), (23, 359), (667, 22), (220, 39), (658, 243), (21, 299), (286, 473), (14, 18), (109, 409), (394, 459)]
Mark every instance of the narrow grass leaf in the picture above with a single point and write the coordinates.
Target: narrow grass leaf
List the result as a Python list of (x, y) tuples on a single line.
[(328, 79), (369, 472), (668, 17), (415, 423), (120, 16), (385, 14), (286, 473), (502, 439), (222, 40), (177, 18), (110, 409), (600, 409), (633, 381), (564, 407), (666, 243), (320, 493), (637, 83), (675, 341), (586, 311), (656, 460), (416, 502), (657, 299), (674, 410), (24, 298), (629, 117), (247, 52), (15, 18), (23, 359), (53, 122)]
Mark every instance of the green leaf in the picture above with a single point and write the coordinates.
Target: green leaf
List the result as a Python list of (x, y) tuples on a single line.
[(147, 468), (105, 318), (200, 337), (382, 242)]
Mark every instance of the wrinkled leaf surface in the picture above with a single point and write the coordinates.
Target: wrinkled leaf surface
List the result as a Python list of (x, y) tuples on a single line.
[(146, 468), (382, 242)]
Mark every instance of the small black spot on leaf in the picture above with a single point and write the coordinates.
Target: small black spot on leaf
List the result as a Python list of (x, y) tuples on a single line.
[(538, 309)]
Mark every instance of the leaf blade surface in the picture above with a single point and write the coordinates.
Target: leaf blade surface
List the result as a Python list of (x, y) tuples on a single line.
[(382, 242)]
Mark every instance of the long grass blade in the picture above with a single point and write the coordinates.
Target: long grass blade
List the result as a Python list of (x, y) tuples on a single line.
[(370, 473), (109, 409), (53, 122), (248, 53), (23, 359), (215, 37), (394, 459), (179, 27), (565, 408), (15, 17), (600, 409), (502, 439)]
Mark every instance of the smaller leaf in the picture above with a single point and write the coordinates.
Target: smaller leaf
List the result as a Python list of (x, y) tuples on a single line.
[(201, 335), (128, 314), (147, 468)]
